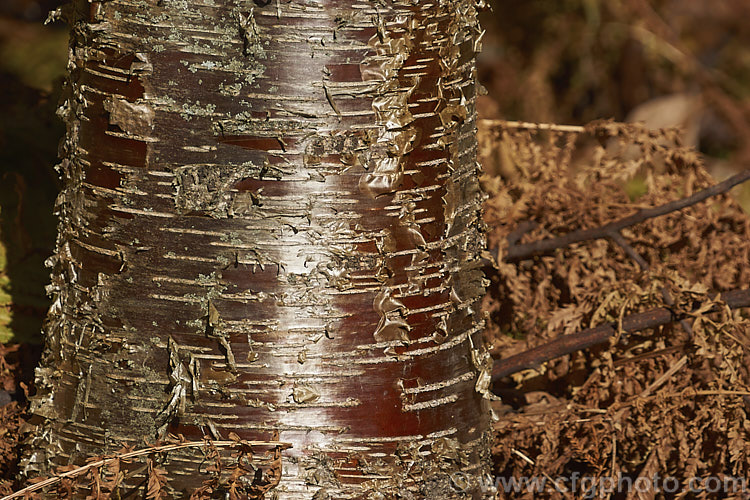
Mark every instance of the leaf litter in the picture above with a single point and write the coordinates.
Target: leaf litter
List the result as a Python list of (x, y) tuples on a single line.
[(664, 403)]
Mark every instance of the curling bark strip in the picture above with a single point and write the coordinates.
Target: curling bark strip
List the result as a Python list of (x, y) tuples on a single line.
[(270, 226)]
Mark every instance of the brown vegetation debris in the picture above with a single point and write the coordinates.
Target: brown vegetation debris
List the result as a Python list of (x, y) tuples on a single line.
[(666, 401)]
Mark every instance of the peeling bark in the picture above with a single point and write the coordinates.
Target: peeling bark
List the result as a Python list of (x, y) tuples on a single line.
[(270, 227)]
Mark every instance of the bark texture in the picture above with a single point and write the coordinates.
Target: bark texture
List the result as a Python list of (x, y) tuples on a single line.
[(270, 226)]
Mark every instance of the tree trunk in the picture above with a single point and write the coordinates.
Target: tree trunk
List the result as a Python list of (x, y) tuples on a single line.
[(270, 230)]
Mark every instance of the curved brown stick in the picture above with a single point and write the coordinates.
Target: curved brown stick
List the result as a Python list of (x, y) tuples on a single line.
[(600, 335), (516, 253)]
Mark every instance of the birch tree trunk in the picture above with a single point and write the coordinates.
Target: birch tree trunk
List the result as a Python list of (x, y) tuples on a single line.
[(270, 228)]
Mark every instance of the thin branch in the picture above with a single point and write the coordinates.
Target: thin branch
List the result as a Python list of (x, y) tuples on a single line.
[(600, 335), (523, 228), (684, 394), (649, 355), (629, 250), (136, 453), (517, 253), (664, 377), (532, 126)]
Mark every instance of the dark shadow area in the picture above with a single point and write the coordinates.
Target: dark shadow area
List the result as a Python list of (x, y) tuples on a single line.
[(32, 62), (29, 134)]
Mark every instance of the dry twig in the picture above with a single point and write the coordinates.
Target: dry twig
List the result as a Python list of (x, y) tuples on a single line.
[(517, 253), (137, 453), (600, 335)]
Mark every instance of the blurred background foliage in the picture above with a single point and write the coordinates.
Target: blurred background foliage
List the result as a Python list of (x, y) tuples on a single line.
[(683, 63), (32, 64), (668, 63)]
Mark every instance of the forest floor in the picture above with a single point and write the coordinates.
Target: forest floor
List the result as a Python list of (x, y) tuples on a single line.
[(664, 406)]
